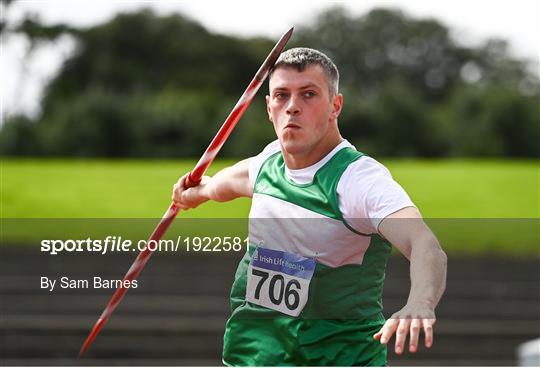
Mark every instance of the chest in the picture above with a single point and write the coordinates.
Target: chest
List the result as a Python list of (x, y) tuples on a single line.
[(277, 224)]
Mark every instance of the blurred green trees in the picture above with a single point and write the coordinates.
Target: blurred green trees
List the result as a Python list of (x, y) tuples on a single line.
[(144, 85)]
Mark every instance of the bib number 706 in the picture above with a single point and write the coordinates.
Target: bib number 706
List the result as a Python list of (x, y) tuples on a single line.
[(279, 291), (279, 280)]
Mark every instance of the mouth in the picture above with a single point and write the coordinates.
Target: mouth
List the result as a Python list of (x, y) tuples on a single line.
[(291, 126)]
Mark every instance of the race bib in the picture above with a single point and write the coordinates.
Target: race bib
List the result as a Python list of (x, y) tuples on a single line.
[(279, 280)]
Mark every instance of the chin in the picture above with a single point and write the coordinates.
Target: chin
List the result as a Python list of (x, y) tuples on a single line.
[(291, 146)]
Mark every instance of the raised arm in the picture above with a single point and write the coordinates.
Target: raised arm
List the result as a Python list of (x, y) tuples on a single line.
[(230, 183)]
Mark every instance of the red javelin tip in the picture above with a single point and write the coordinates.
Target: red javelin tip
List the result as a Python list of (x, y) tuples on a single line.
[(95, 330)]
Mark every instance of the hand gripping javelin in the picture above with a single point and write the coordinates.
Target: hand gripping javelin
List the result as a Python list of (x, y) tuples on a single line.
[(193, 179)]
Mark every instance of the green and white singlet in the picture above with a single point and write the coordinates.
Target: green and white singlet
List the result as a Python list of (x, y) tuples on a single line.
[(309, 289)]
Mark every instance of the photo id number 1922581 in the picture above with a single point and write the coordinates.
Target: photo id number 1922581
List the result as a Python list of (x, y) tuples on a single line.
[(215, 243)]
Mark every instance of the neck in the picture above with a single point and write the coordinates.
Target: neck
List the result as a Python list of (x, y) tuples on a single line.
[(295, 161)]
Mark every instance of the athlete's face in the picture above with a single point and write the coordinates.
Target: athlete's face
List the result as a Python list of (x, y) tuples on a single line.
[(301, 108)]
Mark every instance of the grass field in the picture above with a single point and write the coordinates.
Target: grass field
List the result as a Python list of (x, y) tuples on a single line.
[(455, 189)]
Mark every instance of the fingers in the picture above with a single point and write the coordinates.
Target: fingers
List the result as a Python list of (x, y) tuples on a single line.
[(428, 331), (177, 196), (388, 330), (415, 333), (401, 335), (178, 190), (402, 327)]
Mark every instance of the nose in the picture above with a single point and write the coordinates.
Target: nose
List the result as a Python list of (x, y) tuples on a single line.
[(293, 107)]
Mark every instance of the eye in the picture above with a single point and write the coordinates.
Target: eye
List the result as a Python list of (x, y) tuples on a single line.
[(280, 95), (309, 94)]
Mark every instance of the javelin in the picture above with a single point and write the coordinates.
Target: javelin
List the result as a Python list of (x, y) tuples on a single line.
[(193, 179)]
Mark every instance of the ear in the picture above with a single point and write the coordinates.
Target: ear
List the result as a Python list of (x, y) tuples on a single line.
[(337, 105), (268, 108)]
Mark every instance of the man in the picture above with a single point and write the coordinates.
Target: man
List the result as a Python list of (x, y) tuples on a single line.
[(323, 216)]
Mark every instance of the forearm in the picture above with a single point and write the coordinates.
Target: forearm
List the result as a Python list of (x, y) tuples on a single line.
[(407, 231), (230, 183), (428, 271), (226, 185)]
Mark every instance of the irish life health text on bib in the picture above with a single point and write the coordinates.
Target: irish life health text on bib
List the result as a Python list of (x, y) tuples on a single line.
[(279, 280)]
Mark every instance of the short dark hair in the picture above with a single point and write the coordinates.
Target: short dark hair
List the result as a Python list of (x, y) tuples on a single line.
[(301, 57)]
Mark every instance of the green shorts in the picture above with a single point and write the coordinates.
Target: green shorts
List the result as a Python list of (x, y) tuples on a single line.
[(256, 336)]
